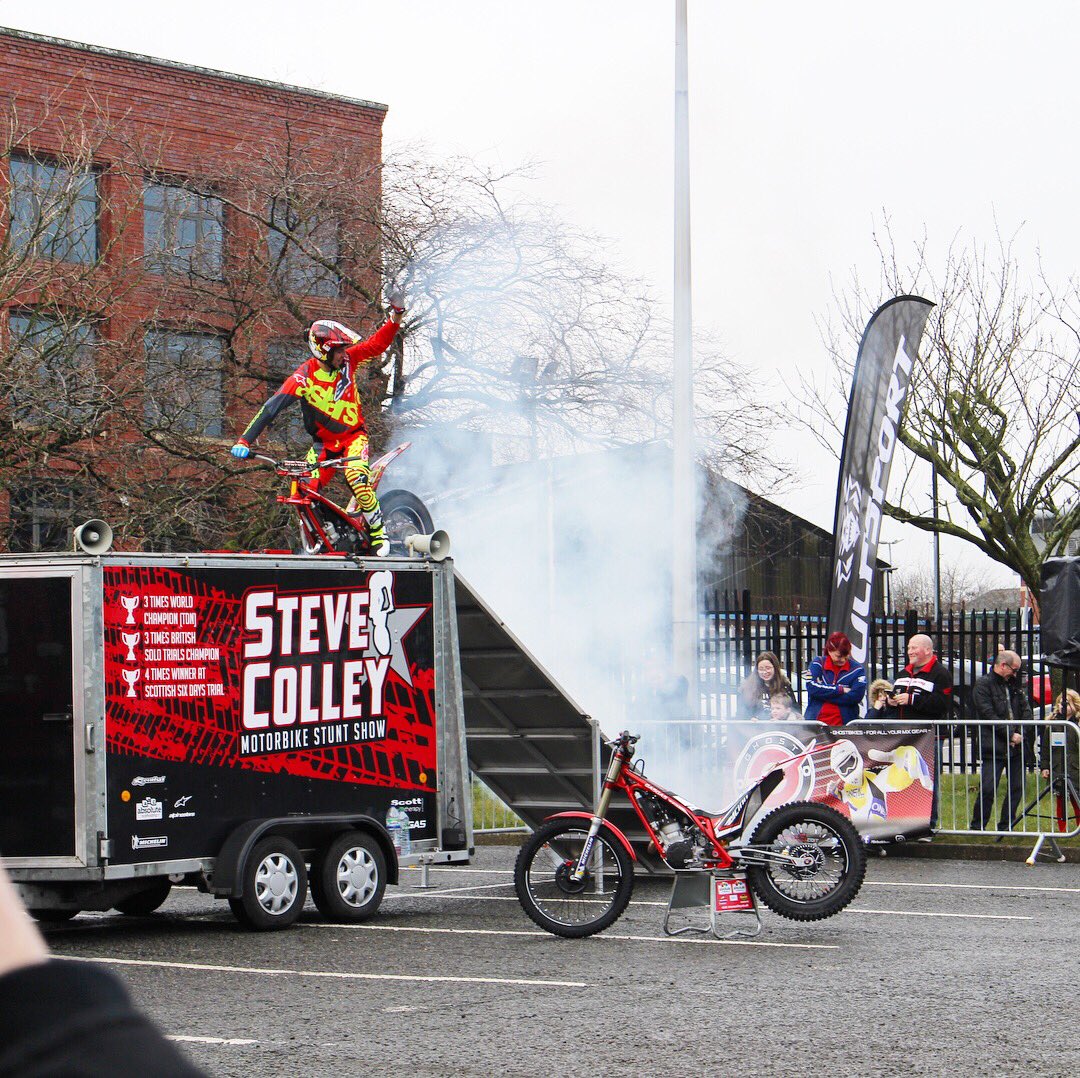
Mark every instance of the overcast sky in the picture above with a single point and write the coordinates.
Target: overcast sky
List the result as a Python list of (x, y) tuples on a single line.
[(807, 122)]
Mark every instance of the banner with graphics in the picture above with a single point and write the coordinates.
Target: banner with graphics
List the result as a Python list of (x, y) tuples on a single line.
[(879, 387), (881, 776), (233, 694)]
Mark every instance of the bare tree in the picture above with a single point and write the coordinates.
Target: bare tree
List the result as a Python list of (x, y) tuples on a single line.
[(992, 402), (517, 325), (128, 368), (913, 587)]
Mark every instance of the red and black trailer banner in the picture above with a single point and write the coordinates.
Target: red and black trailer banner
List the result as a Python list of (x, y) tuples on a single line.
[(881, 776), (233, 695), (879, 388)]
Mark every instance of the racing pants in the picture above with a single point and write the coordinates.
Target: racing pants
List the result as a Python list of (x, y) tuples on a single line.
[(357, 475)]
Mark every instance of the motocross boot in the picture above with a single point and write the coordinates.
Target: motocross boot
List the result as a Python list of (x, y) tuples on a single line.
[(380, 542)]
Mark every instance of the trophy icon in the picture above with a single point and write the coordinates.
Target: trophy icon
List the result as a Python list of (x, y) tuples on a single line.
[(130, 640), (131, 676), (130, 604)]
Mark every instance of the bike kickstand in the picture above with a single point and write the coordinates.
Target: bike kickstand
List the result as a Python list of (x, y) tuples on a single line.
[(694, 890)]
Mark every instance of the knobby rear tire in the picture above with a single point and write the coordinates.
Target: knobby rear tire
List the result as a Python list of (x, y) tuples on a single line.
[(552, 900), (404, 514), (809, 894)]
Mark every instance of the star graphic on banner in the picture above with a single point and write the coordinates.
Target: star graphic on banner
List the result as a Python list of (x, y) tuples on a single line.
[(398, 623)]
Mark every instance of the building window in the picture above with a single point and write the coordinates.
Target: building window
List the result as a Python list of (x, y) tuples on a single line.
[(283, 356), (295, 271), (54, 210), (52, 379), (182, 231), (184, 382), (43, 516)]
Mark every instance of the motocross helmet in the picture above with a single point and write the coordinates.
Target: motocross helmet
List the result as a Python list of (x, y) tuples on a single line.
[(846, 761), (325, 335)]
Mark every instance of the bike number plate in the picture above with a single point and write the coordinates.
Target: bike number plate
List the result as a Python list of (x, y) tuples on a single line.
[(731, 893)]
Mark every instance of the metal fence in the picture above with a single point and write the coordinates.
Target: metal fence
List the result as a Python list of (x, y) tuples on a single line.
[(732, 635), (490, 814)]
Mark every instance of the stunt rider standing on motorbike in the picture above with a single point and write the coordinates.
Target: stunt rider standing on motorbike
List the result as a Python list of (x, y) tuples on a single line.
[(330, 405)]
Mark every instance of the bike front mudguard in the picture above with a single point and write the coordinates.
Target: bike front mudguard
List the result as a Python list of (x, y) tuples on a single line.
[(587, 817)]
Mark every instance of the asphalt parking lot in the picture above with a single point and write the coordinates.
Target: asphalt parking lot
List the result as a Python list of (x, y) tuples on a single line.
[(938, 966)]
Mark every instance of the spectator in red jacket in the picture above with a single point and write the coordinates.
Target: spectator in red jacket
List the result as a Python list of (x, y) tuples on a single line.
[(836, 685)]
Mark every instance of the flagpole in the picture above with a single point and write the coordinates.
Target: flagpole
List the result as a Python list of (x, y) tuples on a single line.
[(683, 516)]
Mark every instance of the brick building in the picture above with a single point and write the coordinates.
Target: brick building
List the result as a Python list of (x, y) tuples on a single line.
[(167, 233)]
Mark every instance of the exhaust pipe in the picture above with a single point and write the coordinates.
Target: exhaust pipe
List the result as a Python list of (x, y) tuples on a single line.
[(436, 545)]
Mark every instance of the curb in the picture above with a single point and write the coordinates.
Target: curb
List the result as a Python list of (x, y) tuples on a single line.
[(962, 851), (500, 838)]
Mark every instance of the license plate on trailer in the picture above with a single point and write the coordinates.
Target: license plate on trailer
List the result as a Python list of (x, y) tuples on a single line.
[(731, 893)]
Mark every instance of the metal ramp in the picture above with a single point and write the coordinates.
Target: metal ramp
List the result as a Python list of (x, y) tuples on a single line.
[(527, 739)]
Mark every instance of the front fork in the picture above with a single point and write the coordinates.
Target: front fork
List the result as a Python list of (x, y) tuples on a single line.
[(618, 762)]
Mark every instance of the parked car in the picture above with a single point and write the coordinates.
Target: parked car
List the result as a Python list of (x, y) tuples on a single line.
[(1040, 688)]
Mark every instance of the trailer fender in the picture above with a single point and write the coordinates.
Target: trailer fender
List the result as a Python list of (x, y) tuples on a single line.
[(308, 832), (587, 816)]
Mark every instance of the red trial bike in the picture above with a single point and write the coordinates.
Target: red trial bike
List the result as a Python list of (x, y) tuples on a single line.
[(324, 527), (575, 874)]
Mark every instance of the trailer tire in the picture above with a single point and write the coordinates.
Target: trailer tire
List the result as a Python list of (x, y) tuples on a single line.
[(143, 903), (274, 885), (51, 917), (349, 877)]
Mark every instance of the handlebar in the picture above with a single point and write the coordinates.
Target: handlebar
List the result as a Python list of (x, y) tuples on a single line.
[(295, 469)]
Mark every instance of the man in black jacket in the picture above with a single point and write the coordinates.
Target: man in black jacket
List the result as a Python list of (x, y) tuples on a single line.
[(999, 698), (923, 690)]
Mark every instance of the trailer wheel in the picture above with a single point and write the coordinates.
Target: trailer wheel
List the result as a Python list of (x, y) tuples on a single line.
[(145, 902), (274, 885), (348, 880), (51, 916)]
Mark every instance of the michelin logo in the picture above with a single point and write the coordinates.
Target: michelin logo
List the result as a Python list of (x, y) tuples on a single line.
[(147, 780), (155, 842)]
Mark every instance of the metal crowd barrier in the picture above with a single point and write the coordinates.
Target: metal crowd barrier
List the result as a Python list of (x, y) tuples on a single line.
[(1034, 805), (693, 758)]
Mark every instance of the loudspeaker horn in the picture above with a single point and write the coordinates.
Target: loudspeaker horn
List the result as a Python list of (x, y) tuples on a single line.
[(436, 545), (93, 537)]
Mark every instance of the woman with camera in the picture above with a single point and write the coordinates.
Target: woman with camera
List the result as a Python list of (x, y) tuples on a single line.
[(1059, 754)]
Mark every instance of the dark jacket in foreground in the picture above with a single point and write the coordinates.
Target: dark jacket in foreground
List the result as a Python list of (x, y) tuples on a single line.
[(76, 1019)]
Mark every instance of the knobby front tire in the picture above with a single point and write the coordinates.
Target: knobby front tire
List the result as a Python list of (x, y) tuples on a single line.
[(552, 899), (834, 856)]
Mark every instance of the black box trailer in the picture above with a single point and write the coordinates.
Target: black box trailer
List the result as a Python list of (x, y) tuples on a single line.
[(244, 723)]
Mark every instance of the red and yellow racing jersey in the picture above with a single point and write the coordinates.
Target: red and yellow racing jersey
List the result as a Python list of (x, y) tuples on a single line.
[(329, 400)]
